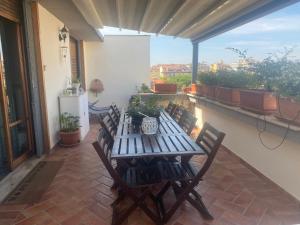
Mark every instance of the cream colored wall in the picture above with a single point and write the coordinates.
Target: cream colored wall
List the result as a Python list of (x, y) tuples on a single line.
[(282, 166), (56, 68), (121, 63)]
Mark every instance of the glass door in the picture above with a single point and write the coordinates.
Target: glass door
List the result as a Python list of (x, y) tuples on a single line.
[(14, 95)]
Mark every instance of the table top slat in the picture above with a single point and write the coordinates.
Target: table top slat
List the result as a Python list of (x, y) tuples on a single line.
[(124, 146), (147, 144), (177, 144), (171, 146), (139, 145), (131, 145)]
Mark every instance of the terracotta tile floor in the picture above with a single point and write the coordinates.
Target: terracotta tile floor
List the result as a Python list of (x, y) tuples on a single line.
[(80, 195)]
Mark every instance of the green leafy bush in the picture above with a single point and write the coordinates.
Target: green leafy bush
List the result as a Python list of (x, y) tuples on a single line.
[(235, 79), (144, 89), (208, 79), (68, 122), (182, 80), (149, 106)]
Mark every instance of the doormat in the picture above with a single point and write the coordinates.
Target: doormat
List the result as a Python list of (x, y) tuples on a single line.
[(34, 185)]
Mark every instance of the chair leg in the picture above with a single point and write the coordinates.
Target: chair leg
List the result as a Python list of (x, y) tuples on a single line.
[(200, 206)]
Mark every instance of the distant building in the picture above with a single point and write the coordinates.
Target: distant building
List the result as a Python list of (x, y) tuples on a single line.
[(203, 67), (219, 66), (169, 70)]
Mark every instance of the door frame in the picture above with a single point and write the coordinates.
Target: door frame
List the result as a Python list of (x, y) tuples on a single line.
[(13, 163)]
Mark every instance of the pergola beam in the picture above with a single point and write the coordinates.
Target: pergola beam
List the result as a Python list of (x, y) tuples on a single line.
[(170, 16), (200, 17), (149, 2), (195, 62), (89, 12)]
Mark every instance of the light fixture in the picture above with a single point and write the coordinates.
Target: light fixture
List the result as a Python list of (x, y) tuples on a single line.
[(62, 35)]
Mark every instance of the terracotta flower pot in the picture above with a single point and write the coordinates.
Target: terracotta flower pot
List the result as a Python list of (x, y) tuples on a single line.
[(228, 96), (197, 89), (210, 92), (187, 90), (165, 88), (288, 110), (69, 138), (258, 101)]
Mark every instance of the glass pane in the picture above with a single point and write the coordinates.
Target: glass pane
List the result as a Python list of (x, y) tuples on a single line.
[(11, 70), (3, 151), (19, 139)]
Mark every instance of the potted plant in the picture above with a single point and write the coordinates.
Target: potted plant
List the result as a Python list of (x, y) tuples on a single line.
[(69, 130), (261, 99), (230, 83), (137, 110), (209, 82), (197, 89), (161, 87), (288, 88)]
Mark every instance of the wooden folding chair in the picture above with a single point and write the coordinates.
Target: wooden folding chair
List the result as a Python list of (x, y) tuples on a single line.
[(133, 182), (108, 124), (113, 116), (116, 110), (187, 122), (178, 113), (184, 177), (170, 108)]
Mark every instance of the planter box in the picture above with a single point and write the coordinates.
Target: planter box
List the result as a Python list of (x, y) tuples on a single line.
[(228, 96), (187, 90), (197, 89), (258, 101), (165, 88), (287, 111), (210, 92)]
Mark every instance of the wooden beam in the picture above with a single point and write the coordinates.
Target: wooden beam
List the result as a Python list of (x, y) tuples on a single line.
[(200, 17), (40, 73), (176, 9)]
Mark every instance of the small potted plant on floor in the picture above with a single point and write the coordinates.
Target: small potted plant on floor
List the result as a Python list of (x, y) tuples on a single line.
[(209, 82), (69, 130)]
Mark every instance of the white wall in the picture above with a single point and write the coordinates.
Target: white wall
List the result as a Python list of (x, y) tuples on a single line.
[(121, 63), (282, 165), (57, 69)]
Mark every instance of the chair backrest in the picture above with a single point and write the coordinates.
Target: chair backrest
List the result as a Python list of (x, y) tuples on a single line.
[(103, 147), (187, 122), (113, 116), (210, 140), (178, 112), (116, 110), (108, 124), (170, 108)]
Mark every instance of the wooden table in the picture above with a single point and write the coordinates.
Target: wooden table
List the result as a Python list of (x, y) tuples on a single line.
[(170, 141)]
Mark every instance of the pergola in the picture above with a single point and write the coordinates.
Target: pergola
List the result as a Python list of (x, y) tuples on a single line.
[(197, 20)]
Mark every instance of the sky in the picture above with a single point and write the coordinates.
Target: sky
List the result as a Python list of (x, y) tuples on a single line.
[(269, 34)]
